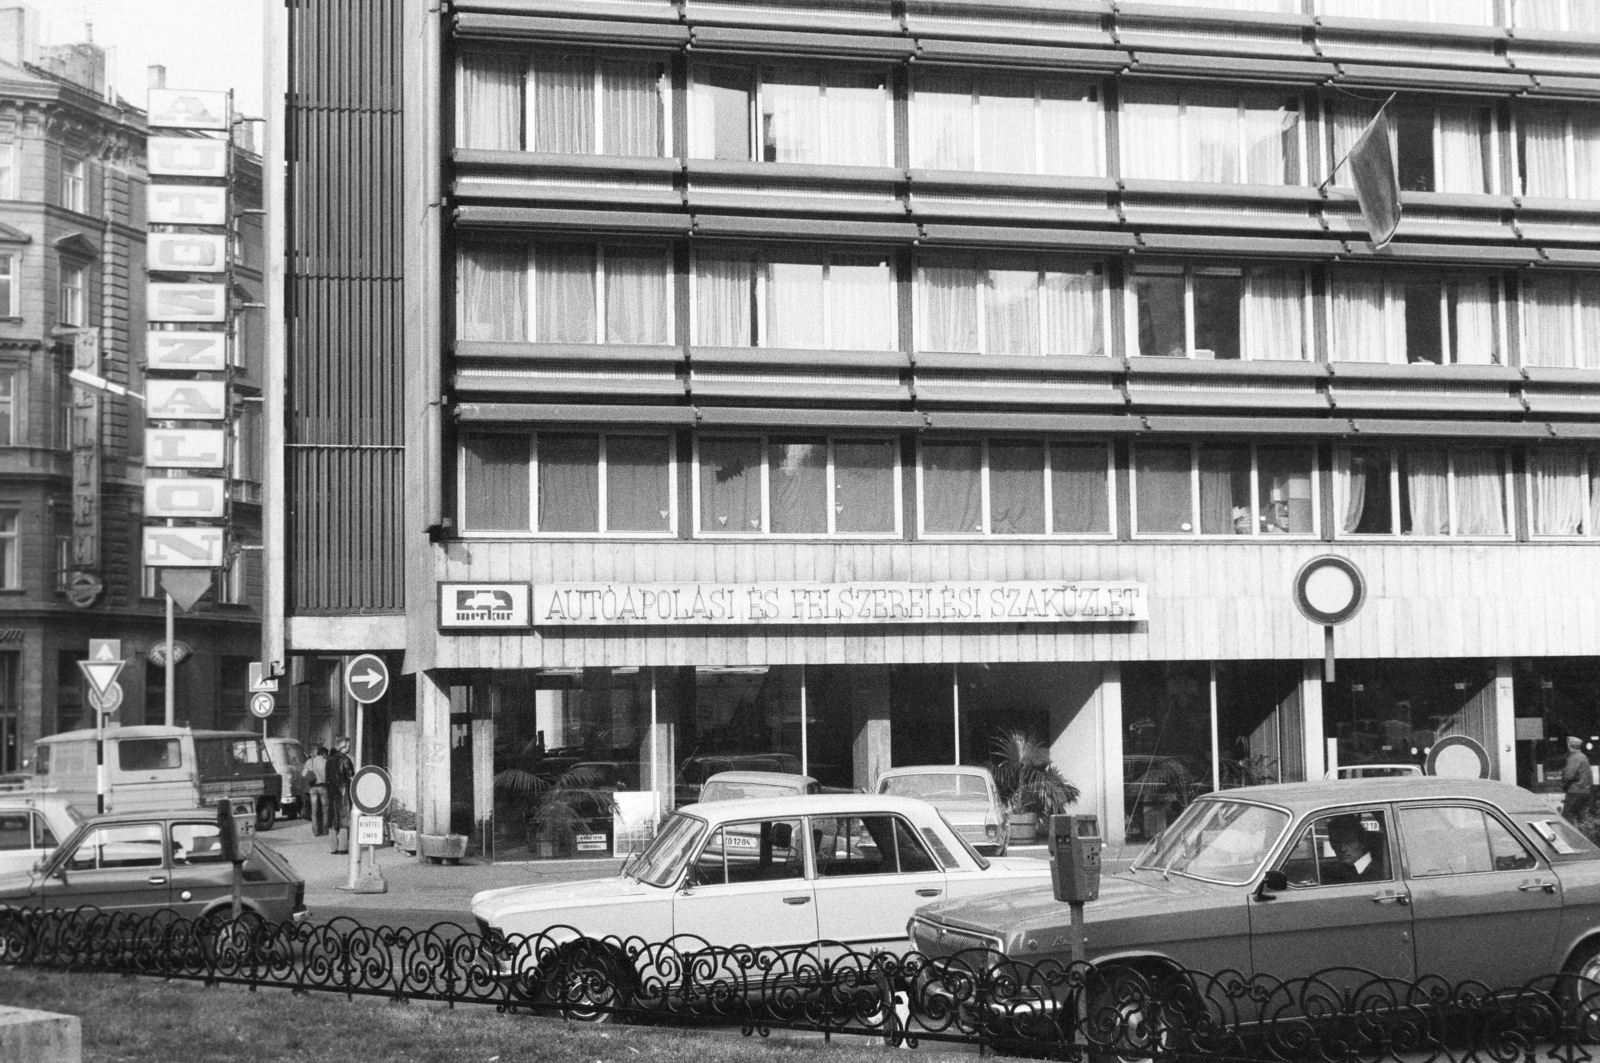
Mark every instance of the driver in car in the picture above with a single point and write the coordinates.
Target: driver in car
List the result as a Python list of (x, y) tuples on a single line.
[(1359, 851)]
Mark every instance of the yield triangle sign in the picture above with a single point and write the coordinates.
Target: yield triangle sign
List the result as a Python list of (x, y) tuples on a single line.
[(186, 585), (101, 674)]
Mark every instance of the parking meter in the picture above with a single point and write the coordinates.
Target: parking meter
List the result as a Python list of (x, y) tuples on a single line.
[(236, 828), (1075, 857)]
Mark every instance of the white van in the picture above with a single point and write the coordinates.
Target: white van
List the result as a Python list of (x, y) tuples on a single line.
[(161, 768)]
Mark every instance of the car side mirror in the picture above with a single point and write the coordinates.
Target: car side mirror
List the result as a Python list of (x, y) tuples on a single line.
[(1272, 883)]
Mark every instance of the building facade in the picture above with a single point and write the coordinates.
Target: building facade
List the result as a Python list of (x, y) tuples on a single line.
[(839, 384), (72, 267)]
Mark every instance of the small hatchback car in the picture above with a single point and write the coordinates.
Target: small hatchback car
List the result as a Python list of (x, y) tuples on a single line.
[(143, 862)]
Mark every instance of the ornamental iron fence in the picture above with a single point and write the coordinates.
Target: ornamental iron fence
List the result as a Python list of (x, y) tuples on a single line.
[(1134, 1010)]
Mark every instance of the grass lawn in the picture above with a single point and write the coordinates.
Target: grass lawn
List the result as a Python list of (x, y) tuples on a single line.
[(132, 1020)]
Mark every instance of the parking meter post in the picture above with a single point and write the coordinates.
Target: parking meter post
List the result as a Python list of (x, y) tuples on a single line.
[(238, 888), (1079, 951)]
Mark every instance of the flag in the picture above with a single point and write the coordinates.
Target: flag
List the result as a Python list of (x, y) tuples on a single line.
[(1376, 180)]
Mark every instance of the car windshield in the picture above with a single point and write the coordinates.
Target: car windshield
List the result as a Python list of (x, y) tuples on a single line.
[(663, 860), (944, 786), (1223, 841)]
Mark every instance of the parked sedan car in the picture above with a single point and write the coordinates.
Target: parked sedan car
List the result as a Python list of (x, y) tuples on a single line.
[(783, 871), (965, 794), (742, 785), (146, 861), (32, 823), (1403, 877)]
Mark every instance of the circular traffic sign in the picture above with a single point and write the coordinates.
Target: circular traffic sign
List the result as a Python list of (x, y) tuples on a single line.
[(370, 791), (1329, 589), (108, 702), (1458, 757), (262, 704), (367, 678)]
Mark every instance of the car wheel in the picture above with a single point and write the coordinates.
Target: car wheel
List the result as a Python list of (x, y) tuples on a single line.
[(589, 982), (1126, 1020), (266, 813), (1580, 990)]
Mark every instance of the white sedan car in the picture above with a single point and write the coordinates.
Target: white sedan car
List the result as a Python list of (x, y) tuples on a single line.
[(849, 869), (32, 824)]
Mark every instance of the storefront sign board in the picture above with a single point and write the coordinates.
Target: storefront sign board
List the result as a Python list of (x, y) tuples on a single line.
[(951, 602)]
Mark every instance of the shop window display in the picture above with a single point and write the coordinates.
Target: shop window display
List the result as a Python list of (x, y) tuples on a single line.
[(1392, 712), (1555, 697)]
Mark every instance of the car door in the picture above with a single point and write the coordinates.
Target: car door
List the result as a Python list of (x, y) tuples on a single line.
[(748, 886), (873, 872), (200, 874), (25, 839), (1329, 916), (1484, 906), (118, 866)]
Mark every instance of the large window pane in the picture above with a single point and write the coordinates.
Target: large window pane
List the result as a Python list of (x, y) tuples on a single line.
[(1424, 326), (494, 293), (1359, 329), (1285, 486), (1480, 482), (1016, 488), (1152, 133), (794, 305), (730, 485), (720, 114), (1211, 135), (860, 304), (948, 309), (563, 105), (569, 483), (942, 126), (863, 484), (489, 106), (1216, 316), (1164, 495), (631, 110), (496, 487), (638, 296), (791, 119), (1225, 490), (858, 120), (1424, 493), (1006, 128), (952, 491), (638, 483), (1159, 299), (1012, 312), (798, 471), (724, 301), (564, 301), (1078, 491), (1072, 313), (1069, 127), (1559, 492), (1368, 507), (1273, 314)]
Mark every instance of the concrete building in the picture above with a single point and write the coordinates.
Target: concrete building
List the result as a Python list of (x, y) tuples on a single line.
[(838, 384), (72, 266)]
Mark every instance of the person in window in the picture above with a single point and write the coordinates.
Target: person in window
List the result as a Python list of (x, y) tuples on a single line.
[(1359, 852), (1575, 781)]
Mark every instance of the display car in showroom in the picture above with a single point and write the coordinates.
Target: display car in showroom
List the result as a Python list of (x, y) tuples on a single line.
[(964, 793), (32, 824), (1402, 877)]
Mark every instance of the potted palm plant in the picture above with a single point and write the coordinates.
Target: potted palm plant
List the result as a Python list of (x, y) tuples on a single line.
[(555, 810), (1030, 785)]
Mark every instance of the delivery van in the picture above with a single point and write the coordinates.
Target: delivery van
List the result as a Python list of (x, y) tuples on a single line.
[(162, 768)]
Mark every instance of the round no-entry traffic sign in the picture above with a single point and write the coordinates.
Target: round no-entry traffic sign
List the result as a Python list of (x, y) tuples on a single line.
[(1459, 757), (108, 702), (369, 790), (261, 705), (367, 678), (1329, 589)]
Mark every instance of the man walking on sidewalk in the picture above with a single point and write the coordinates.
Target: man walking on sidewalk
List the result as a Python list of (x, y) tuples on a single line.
[(316, 773), (340, 771)]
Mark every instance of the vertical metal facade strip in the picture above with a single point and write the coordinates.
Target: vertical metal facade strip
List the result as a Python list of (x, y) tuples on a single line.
[(344, 430)]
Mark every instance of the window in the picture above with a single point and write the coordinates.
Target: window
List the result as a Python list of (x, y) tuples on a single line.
[(1558, 152), (577, 483), (570, 105), (764, 851), (149, 754), (1281, 6), (1222, 489), (1424, 492), (196, 843), (150, 582), (8, 406), (1341, 849), (797, 486), (1210, 134), (868, 845), (74, 295), (1578, 16), (1468, 12), (232, 588), (1459, 841), (1014, 487), (64, 563), (1446, 148), (829, 302), (72, 197), (8, 286), (8, 171), (10, 551), (1222, 312), (1561, 320), (22, 830), (1414, 317), (566, 293), (1564, 491), (1006, 125), (837, 116), (1010, 305), (118, 845)]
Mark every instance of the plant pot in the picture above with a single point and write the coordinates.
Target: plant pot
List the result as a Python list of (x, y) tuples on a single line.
[(1024, 827), (404, 840), (447, 848)]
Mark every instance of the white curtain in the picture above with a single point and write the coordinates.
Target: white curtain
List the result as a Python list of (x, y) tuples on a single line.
[(1211, 136), (792, 117), (1069, 124), (1544, 152), (1477, 338), (1539, 14), (638, 296), (494, 293), (1594, 492), (1360, 320), (1480, 492), (564, 308), (1152, 132), (1006, 135), (1463, 149), (794, 305), (857, 129), (489, 103), (723, 288), (1548, 317), (1427, 492), (1011, 311), (1586, 150), (1354, 477), (1558, 492), (1274, 314), (952, 488), (1072, 306), (860, 304), (1587, 353), (941, 124), (563, 105), (1346, 121), (1272, 142), (948, 297), (630, 104)]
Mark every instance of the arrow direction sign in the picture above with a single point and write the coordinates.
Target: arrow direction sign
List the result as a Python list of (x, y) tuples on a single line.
[(367, 678), (102, 675), (105, 649)]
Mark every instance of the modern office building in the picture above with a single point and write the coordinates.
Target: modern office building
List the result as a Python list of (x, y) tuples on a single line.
[(838, 384), (72, 292)]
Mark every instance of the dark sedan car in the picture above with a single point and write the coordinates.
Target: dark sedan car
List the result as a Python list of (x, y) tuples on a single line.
[(1407, 877), (146, 861)]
